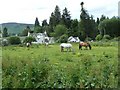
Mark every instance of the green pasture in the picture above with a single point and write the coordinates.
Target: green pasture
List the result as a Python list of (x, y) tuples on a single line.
[(41, 66)]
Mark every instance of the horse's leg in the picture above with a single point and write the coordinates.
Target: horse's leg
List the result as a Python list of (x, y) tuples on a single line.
[(61, 49), (89, 46), (70, 49), (67, 49), (80, 47)]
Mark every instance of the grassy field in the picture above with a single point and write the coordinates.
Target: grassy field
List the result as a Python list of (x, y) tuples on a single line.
[(43, 67)]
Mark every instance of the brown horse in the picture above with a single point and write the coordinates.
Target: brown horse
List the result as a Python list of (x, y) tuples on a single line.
[(85, 44)]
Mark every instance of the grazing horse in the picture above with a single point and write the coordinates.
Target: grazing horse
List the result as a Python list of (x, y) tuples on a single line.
[(46, 41), (68, 46), (85, 44), (28, 44)]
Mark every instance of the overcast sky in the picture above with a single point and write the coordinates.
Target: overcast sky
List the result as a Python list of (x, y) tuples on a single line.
[(25, 11)]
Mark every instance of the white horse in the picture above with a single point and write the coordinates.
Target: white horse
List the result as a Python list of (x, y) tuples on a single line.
[(68, 46)]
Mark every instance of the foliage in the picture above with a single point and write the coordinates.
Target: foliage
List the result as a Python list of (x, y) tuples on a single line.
[(37, 22), (14, 40), (99, 37), (57, 15), (66, 18), (5, 32), (25, 31), (74, 31), (29, 39), (60, 30), (87, 25), (44, 23), (88, 39), (107, 37), (110, 27), (63, 38), (37, 27)]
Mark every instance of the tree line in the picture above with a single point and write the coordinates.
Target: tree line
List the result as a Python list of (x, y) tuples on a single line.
[(61, 26)]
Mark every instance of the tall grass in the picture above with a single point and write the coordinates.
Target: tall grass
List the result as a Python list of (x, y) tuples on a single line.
[(44, 67)]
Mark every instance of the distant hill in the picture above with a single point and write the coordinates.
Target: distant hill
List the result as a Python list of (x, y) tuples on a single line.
[(16, 27)]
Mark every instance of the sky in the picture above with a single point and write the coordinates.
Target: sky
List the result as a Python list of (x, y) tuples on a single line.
[(25, 11)]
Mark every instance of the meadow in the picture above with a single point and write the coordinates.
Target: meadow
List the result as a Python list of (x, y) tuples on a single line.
[(41, 66)]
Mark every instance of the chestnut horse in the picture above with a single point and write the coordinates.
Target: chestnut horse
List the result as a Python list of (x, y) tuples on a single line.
[(85, 44)]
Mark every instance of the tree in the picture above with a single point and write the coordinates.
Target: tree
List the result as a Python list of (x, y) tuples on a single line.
[(110, 27), (51, 23), (98, 21), (57, 15), (74, 31), (66, 18), (25, 31), (102, 18), (5, 32), (60, 30), (44, 23), (84, 15), (14, 40), (54, 20), (37, 22), (37, 27), (63, 38), (45, 26), (87, 25), (99, 37)]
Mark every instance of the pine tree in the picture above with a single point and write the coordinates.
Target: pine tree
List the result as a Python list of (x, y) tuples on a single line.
[(87, 24), (25, 31), (57, 15), (5, 32), (66, 18), (37, 27), (37, 22)]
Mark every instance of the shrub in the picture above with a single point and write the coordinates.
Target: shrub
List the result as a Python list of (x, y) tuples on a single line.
[(29, 39), (88, 39), (63, 39), (99, 37), (14, 40), (107, 37), (60, 30)]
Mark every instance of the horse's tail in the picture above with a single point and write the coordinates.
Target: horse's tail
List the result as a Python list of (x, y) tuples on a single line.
[(89, 46)]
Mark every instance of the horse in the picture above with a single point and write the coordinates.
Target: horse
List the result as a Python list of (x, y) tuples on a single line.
[(68, 46), (46, 41), (85, 44), (28, 44)]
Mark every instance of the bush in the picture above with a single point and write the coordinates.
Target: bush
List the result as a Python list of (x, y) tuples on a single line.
[(99, 37), (107, 37), (60, 30), (63, 39), (29, 39), (88, 39), (14, 40)]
